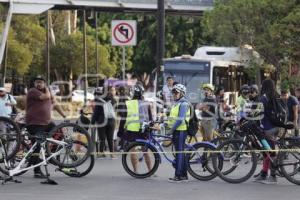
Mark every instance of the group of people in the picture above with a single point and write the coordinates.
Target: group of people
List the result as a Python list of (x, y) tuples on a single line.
[(251, 104), (118, 112)]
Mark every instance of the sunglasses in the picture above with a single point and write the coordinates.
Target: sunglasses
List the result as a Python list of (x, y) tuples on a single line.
[(175, 92)]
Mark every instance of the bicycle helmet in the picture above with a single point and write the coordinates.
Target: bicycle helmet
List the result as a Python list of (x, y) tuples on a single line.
[(208, 86), (245, 88), (254, 88), (179, 88), (138, 90)]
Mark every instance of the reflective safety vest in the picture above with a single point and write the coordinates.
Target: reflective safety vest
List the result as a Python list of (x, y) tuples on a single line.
[(133, 118), (174, 116)]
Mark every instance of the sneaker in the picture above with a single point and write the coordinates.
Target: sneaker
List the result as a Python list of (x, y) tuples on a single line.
[(260, 179), (72, 171), (113, 157), (184, 178), (39, 174), (176, 179), (271, 180)]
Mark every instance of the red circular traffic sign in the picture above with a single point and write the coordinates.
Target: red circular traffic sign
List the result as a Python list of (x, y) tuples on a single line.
[(122, 37)]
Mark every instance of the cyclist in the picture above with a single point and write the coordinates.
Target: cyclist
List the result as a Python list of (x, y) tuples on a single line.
[(104, 117), (222, 105), (242, 100), (253, 106), (179, 115), (7, 102), (135, 111), (269, 94), (292, 104), (39, 104), (208, 108)]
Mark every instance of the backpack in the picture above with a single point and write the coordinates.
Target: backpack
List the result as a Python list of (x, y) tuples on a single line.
[(14, 110), (192, 123), (278, 112), (108, 109)]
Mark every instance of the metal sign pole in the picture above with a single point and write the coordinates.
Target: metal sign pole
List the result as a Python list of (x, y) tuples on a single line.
[(85, 56), (123, 65), (5, 31), (48, 47), (97, 50)]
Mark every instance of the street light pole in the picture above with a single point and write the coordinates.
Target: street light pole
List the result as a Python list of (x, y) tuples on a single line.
[(97, 52), (161, 32), (85, 56), (48, 48)]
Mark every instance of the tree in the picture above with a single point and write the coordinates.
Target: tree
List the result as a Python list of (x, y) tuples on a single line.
[(259, 23), (67, 57)]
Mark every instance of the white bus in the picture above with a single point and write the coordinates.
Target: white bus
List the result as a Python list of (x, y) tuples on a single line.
[(220, 66)]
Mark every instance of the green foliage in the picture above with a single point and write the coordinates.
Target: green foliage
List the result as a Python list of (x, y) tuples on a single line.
[(239, 22), (271, 27), (69, 57)]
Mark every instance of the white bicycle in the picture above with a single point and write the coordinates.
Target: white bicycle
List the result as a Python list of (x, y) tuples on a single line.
[(67, 145)]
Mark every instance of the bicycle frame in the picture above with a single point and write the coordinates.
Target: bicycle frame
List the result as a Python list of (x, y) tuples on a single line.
[(18, 169), (256, 144), (155, 143)]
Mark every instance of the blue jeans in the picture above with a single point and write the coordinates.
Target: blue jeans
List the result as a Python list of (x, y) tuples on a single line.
[(179, 138)]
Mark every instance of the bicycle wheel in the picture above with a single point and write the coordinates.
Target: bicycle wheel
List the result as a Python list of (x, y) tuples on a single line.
[(199, 162), (9, 138), (289, 163), (14, 162), (239, 162), (141, 160), (72, 153), (81, 170)]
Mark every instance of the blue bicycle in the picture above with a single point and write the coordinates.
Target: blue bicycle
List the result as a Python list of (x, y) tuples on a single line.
[(143, 156)]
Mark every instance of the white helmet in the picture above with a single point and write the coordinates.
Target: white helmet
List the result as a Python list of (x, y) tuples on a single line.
[(180, 88)]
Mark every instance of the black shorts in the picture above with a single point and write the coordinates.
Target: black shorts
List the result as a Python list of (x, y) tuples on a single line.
[(131, 136)]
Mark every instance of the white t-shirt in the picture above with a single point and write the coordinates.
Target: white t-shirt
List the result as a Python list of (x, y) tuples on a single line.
[(167, 92), (5, 110)]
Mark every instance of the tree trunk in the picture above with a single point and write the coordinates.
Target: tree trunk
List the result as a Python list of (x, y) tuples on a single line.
[(74, 22), (52, 35), (68, 22)]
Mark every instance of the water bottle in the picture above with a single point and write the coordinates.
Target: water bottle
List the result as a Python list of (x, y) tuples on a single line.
[(265, 144)]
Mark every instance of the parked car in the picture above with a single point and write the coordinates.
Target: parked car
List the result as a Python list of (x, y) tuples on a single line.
[(78, 95), (54, 89)]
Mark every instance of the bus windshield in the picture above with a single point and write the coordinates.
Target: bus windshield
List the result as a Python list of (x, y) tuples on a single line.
[(190, 73)]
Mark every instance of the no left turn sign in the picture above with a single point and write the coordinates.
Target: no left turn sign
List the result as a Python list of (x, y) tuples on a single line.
[(123, 32)]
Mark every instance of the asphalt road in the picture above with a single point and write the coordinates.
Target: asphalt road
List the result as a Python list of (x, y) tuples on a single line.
[(108, 181)]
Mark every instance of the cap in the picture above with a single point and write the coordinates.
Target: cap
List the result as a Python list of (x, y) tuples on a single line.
[(39, 77)]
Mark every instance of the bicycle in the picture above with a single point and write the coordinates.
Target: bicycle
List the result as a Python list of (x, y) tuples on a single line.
[(243, 152), (9, 138), (149, 150), (26, 144), (68, 152)]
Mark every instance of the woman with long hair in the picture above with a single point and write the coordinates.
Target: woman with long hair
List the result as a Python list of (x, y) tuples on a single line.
[(268, 97)]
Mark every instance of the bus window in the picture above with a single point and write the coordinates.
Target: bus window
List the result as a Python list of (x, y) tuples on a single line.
[(190, 73), (220, 77)]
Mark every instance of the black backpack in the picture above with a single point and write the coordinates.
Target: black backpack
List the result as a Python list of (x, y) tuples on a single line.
[(277, 112), (192, 123)]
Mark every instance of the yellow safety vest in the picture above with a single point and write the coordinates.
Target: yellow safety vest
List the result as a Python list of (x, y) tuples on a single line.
[(133, 118), (174, 116)]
